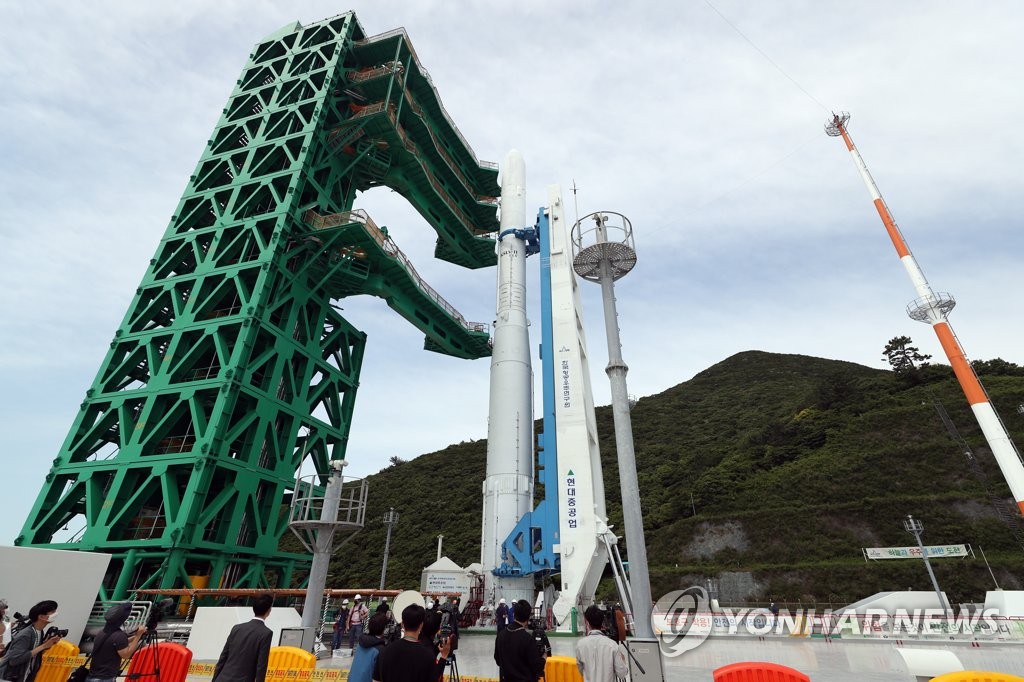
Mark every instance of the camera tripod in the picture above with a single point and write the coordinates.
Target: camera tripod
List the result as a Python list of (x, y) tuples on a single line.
[(453, 673), (149, 641)]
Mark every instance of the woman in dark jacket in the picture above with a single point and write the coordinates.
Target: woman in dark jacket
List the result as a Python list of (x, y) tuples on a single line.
[(25, 653)]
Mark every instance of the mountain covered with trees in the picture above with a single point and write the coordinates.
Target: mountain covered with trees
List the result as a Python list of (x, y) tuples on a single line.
[(767, 472)]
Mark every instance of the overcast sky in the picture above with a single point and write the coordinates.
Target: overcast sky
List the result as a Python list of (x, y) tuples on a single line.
[(753, 229)]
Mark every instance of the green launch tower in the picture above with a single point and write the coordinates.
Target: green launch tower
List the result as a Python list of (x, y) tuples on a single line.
[(231, 365)]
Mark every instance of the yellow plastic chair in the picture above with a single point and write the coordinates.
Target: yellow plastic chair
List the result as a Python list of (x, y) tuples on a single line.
[(58, 662), (290, 658), (562, 669), (977, 676)]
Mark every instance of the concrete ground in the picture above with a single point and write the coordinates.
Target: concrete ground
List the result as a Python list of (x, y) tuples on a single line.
[(824, 660)]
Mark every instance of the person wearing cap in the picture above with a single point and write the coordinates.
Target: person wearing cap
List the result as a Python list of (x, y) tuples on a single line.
[(340, 624), (501, 614), (113, 645), (356, 618), (24, 655)]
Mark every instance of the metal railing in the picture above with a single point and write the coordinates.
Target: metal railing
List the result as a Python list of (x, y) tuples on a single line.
[(320, 222), (442, 193), (426, 75)]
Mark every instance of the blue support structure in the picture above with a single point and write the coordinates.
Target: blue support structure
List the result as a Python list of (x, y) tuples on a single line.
[(529, 548)]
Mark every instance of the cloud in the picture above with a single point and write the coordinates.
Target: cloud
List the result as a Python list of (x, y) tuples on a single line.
[(753, 229)]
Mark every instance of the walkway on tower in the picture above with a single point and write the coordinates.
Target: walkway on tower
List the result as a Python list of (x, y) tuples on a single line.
[(362, 259), (399, 134)]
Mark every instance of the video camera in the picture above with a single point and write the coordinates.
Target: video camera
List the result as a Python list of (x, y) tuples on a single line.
[(540, 638), (157, 613)]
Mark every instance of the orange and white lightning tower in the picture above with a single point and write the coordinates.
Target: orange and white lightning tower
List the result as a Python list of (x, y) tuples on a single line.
[(932, 308)]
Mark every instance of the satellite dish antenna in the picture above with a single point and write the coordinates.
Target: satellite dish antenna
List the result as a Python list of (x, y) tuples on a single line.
[(406, 598)]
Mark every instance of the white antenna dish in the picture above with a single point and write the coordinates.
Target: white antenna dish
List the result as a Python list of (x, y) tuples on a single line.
[(406, 598)]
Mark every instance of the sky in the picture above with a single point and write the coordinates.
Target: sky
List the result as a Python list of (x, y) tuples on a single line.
[(702, 122)]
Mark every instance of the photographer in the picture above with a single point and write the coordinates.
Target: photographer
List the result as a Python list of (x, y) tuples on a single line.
[(113, 645), (22, 659), (599, 658), (515, 651), (432, 638)]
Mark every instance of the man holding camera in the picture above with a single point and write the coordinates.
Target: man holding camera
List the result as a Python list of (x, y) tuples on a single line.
[(515, 651), (25, 653), (113, 645), (599, 658), (245, 654)]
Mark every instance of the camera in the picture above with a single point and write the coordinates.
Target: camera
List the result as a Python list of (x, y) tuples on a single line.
[(20, 623), (54, 630), (157, 612), (540, 638)]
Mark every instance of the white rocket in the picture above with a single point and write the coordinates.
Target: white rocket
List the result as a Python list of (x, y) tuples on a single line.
[(508, 485)]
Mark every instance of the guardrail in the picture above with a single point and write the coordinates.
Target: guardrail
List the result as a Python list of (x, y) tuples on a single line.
[(320, 222), (430, 82)]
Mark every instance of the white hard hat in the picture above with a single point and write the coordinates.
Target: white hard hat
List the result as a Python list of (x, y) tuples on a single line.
[(344, 601), (383, 598), (501, 601), (358, 597)]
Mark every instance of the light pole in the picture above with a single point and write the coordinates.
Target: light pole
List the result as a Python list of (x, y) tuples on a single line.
[(915, 528), (390, 519)]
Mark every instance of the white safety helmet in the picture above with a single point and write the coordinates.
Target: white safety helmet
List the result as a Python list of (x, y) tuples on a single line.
[(358, 597), (344, 602), (501, 601)]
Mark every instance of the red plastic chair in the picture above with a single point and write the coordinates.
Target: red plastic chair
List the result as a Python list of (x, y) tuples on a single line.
[(174, 661), (754, 671)]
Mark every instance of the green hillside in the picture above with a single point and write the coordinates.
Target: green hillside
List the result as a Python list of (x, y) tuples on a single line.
[(793, 463)]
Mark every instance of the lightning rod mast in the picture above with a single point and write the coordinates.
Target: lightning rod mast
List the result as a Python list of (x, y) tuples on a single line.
[(932, 308)]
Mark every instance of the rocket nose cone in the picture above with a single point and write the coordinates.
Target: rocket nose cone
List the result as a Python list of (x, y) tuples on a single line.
[(513, 168)]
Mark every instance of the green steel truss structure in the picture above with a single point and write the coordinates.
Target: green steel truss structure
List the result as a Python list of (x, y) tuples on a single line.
[(232, 366)]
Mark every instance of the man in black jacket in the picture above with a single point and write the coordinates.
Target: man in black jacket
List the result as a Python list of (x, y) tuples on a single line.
[(245, 654), (515, 652), (113, 645)]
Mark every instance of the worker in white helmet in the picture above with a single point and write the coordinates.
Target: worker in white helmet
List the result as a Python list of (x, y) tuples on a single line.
[(357, 618), (340, 625), (501, 614)]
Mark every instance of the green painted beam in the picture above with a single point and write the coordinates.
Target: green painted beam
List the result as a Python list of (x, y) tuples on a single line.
[(232, 365)]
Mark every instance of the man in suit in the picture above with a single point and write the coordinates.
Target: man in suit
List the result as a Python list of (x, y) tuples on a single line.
[(245, 654)]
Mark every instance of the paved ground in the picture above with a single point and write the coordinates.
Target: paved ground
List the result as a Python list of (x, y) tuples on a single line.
[(831, 661)]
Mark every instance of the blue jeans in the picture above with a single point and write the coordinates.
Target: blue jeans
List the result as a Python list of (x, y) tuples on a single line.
[(336, 641), (354, 631)]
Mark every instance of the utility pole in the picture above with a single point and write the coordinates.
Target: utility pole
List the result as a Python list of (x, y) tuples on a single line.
[(390, 519), (916, 528)]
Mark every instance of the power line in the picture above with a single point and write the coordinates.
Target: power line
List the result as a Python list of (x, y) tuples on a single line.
[(765, 55)]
